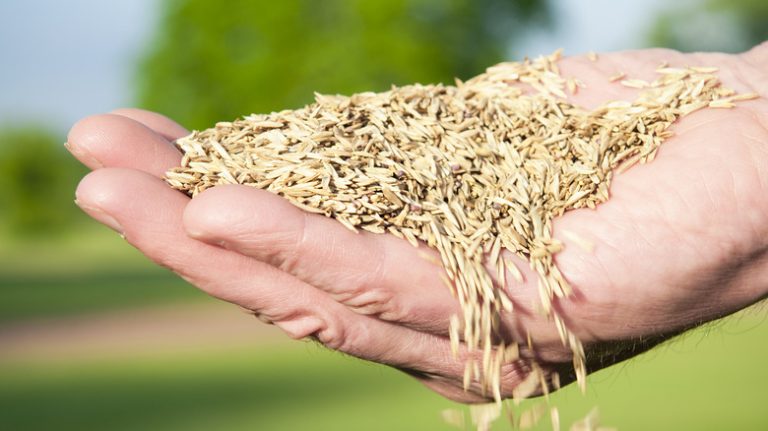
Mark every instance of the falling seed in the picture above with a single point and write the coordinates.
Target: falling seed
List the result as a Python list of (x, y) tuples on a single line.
[(616, 77), (577, 239), (453, 417), (532, 416), (554, 415)]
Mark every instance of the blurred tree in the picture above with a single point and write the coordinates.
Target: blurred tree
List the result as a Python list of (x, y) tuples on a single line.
[(713, 25), (212, 61), (37, 177)]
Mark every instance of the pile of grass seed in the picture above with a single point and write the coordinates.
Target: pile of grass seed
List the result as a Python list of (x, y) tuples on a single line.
[(469, 170)]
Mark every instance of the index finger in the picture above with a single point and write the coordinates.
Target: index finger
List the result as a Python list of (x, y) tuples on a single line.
[(159, 123)]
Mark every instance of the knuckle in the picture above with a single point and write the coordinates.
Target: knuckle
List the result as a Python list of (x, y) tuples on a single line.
[(366, 293), (345, 338), (282, 245), (521, 379), (393, 310), (334, 336), (516, 380), (373, 301), (299, 326)]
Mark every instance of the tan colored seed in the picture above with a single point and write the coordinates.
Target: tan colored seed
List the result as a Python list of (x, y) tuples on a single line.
[(616, 77)]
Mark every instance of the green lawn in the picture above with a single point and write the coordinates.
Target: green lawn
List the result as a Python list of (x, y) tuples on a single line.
[(90, 270), (50, 295), (712, 379)]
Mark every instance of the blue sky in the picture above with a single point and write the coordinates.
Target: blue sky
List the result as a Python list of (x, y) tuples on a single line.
[(62, 60)]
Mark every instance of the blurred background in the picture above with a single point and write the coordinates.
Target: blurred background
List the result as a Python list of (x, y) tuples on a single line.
[(93, 336)]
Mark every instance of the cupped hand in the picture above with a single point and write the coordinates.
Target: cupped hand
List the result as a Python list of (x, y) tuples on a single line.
[(683, 240)]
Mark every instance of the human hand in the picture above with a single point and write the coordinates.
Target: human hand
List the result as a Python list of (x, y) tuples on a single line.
[(682, 241)]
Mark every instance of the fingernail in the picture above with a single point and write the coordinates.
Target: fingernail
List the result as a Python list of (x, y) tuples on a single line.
[(215, 242), (101, 216), (202, 236), (83, 155)]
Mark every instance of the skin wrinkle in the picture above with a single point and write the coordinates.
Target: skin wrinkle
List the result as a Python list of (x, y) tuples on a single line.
[(419, 343), (317, 323), (742, 274), (96, 126), (362, 282), (739, 73), (603, 269), (290, 262), (761, 144), (156, 154), (336, 337), (620, 206), (214, 222), (704, 180), (674, 206), (229, 285), (751, 224), (762, 120), (762, 274), (706, 213), (333, 279), (375, 303), (374, 279), (602, 262), (232, 289), (583, 260), (271, 255), (150, 230), (446, 388), (755, 225), (697, 255), (748, 62), (441, 360), (279, 258), (308, 325), (763, 190), (717, 282), (758, 54), (636, 225), (165, 250), (399, 357), (370, 299), (616, 249), (687, 124)]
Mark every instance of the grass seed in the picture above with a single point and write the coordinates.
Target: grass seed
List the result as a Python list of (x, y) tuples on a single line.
[(469, 170)]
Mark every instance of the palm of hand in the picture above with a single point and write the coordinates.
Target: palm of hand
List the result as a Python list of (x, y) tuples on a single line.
[(679, 231), (678, 237), (678, 234)]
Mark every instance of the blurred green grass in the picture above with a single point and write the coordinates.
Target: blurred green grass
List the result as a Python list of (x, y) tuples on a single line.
[(90, 269), (712, 378)]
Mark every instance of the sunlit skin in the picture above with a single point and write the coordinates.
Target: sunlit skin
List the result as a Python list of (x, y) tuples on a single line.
[(682, 241)]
